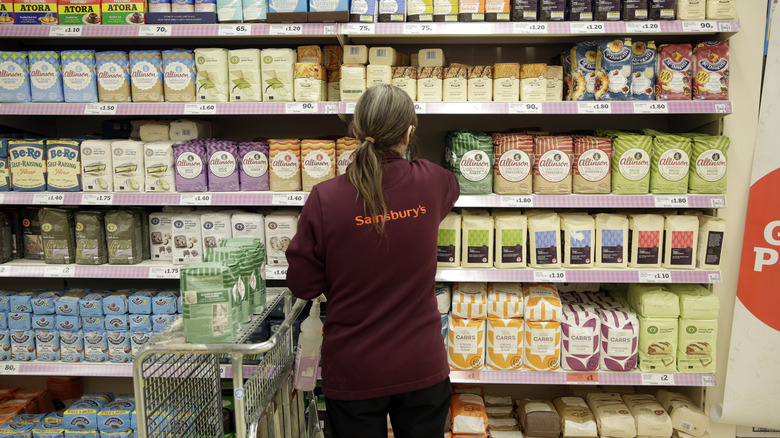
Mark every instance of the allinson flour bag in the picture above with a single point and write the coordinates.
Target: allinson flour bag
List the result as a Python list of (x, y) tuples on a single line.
[(318, 159), (469, 155), (708, 164), (179, 75), (513, 164), (631, 164), (253, 161), (591, 166), (345, 150), (146, 70), (285, 161), (448, 241), (670, 163), (191, 165), (552, 165)]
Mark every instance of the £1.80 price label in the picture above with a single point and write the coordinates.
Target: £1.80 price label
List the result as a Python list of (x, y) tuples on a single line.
[(651, 107), (671, 201), (594, 108), (516, 201)]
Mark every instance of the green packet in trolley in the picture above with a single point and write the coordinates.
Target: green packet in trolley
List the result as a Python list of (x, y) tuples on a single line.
[(469, 155), (708, 165), (211, 305)]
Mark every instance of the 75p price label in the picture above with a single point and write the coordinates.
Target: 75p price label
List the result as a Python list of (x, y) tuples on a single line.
[(419, 29), (550, 276), (358, 28), (288, 199), (167, 272)]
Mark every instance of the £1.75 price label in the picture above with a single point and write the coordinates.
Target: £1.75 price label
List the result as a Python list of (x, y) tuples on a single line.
[(97, 198), (171, 272)]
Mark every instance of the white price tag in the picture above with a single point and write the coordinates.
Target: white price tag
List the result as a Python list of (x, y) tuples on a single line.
[(722, 108), (657, 379), (594, 107), (49, 198), (725, 26), (525, 108), (698, 26), (285, 29), (708, 380), (100, 108), (350, 108), (419, 28), (8, 368), (5, 271), (715, 278), (234, 30), (331, 108), (586, 27), (195, 199), (419, 108), (329, 30), (154, 31), (287, 199), (516, 201), (642, 26), (97, 198), (59, 271), (655, 277), (200, 108), (550, 276), (2, 198), (278, 273), (65, 31), (662, 201), (358, 28), (171, 272), (530, 27), (651, 107), (301, 108), (223, 369), (718, 202)]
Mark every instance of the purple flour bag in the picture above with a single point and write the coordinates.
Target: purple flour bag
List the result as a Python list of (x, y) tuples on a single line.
[(223, 165), (253, 160), (191, 167)]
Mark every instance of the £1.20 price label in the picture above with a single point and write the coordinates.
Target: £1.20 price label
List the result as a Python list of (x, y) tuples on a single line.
[(285, 29), (587, 27)]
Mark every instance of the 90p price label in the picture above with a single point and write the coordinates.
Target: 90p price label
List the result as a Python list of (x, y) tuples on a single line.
[(301, 108), (525, 108)]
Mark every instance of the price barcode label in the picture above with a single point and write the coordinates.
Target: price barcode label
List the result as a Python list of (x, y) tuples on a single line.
[(100, 108), (170, 272), (419, 28), (329, 30), (200, 108), (708, 380), (154, 31), (331, 108), (65, 31), (586, 27), (195, 199), (279, 273), (64, 271), (301, 108), (718, 202), (698, 26), (725, 26), (223, 371), (97, 198), (420, 108), (657, 379), (471, 376), (533, 28), (651, 107), (582, 378), (2, 198), (5, 271), (642, 26), (288, 199), (550, 276), (516, 201), (671, 201), (722, 108), (285, 29), (715, 278), (350, 109), (234, 30), (525, 108), (9, 368), (594, 108), (49, 198), (358, 29), (655, 277)]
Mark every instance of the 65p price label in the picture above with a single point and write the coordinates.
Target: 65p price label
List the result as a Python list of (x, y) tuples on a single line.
[(550, 276), (234, 30)]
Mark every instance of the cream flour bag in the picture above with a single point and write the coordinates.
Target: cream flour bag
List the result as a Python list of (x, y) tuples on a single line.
[(612, 415), (280, 227), (469, 300), (159, 165), (179, 74), (248, 225), (650, 417), (97, 170), (466, 343), (544, 231), (631, 163), (285, 155), (477, 249), (318, 160), (619, 340), (577, 234), (681, 236), (128, 160), (469, 155), (670, 163), (711, 234), (244, 75), (552, 165), (591, 166), (577, 420), (511, 239), (345, 150), (542, 346), (645, 232), (448, 241), (212, 75), (611, 241), (513, 163), (505, 300)]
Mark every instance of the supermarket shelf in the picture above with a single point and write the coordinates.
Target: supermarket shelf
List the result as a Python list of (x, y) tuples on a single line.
[(37, 269), (89, 369), (722, 107), (172, 30), (593, 201), (633, 378)]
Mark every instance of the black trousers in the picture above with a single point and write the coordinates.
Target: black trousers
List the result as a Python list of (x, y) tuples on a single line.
[(416, 414)]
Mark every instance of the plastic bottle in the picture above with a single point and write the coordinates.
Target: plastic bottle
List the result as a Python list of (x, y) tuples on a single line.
[(307, 359)]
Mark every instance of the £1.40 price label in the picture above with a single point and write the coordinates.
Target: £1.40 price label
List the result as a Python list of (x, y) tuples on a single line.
[(49, 198), (195, 199), (550, 276), (288, 199)]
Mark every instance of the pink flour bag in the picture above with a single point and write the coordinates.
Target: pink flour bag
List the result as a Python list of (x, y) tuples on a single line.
[(253, 165), (223, 165), (191, 175), (580, 327)]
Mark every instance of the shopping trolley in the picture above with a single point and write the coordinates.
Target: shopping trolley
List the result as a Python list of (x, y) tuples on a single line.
[(178, 391)]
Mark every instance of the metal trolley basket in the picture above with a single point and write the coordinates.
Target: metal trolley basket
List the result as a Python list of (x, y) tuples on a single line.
[(178, 390)]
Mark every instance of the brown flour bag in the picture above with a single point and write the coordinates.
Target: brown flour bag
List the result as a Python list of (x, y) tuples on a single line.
[(513, 162), (592, 165), (552, 165)]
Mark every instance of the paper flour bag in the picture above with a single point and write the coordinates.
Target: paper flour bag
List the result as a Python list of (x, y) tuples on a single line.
[(466, 343), (504, 344), (248, 225), (577, 420), (513, 164), (478, 234), (285, 155), (191, 174), (223, 165), (244, 75), (711, 234), (619, 342), (611, 241), (541, 302), (128, 162), (681, 236), (709, 160), (113, 76), (345, 150), (27, 161), (63, 166), (542, 346), (97, 169), (278, 73), (212, 75), (90, 238), (79, 80), (670, 163), (124, 237), (645, 232), (469, 155), (159, 164), (215, 227), (650, 417), (577, 235), (591, 166), (160, 236), (280, 227), (469, 300), (631, 164), (45, 76), (443, 297), (544, 231), (696, 348), (552, 165), (511, 240), (448, 241), (657, 344), (318, 159), (187, 240), (146, 71), (580, 327), (179, 75), (505, 300), (612, 415)]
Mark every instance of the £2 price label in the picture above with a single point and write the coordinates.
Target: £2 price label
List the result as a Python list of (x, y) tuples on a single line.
[(657, 379), (56, 271), (5, 271)]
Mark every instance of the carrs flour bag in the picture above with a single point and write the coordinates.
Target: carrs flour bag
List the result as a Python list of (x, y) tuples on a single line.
[(469, 155)]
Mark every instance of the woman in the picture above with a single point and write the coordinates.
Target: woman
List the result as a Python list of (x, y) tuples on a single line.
[(368, 241)]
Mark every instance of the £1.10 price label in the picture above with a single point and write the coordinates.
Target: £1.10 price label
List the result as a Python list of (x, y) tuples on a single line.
[(154, 31), (200, 108), (671, 201), (234, 30), (48, 198), (285, 29), (97, 199), (288, 199), (8, 368), (195, 199), (651, 107), (550, 276), (525, 108), (59, 271), (655, 277), (169, 272), (657, 379), (65, 31), (100, 108)]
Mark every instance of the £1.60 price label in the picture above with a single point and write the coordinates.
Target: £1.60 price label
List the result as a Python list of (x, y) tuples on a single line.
[(200, 108), (288, 199), (195, 199), (49, 198), (658, 379), (525, 108), (57, 271), (671, 201), (285, 29), (154, 31), (171, 272), (550, 276), (100, 108), (655, 277), (8, 368), (276, 273)]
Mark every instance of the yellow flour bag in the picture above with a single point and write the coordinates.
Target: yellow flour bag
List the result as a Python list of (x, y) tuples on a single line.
[(285, 164), (466, 346), (318, 158), (505, 344), (542, 345)]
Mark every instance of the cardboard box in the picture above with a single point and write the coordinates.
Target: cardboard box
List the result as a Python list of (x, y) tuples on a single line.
[(123, 11), (35, 12), (288, 11), (79, 11)]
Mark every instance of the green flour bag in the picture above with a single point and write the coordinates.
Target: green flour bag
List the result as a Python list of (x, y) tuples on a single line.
[(469, 155), (708, 163), (670, 163), (631, 163)]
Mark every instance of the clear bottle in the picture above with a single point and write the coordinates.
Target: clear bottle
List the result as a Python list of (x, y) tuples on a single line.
[(307, 358)]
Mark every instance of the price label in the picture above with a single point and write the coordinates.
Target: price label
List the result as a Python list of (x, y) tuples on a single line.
[(698, 26), (419, 28), (49, 198), (234, 30), (594, 108), (722, 108), (550, 276), (585, 27), (288, 199), (642, 26), (170, 272), (279, 273), (2, 198), (154, 31), (525, 108), (533, 28), (657, 379), (100, 108), (471, 376), (63, 271), (329, 30), (223, 371), (65, 31), (286, 29), (582, 378), (516, 201), (419, 108), (708, 380), (5, 271), (651, 107), (331, 108), (301, 108), (671, 202), (718, 202), (195, 199), (200, 108), (350, 108), (725, 26), (655, 277), (358, 29), (97, 198), (9, 368), (715, 278)]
